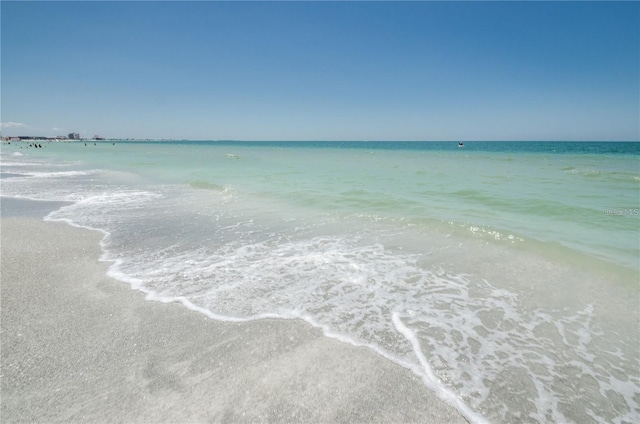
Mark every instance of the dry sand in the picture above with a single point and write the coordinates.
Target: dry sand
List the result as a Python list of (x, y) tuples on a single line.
[(78, 346)]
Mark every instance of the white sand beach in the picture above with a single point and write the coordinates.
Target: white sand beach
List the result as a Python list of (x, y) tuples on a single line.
[(78, 346)]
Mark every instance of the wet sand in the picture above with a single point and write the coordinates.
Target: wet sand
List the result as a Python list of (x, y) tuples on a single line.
[(77, 346)]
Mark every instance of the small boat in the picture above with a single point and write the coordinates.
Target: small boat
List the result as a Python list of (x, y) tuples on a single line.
[(461, 144)]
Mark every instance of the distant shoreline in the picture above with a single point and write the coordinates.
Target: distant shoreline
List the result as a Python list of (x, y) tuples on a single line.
[(69, 140), (137, 140)]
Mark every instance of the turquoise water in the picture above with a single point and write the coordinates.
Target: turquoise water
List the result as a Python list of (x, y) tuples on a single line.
[(505, 275)]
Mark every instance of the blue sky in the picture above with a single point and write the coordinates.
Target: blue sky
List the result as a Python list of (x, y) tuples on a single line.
[(322, 70)]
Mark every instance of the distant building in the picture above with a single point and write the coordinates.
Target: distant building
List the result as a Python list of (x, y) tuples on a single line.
[(74, 136)]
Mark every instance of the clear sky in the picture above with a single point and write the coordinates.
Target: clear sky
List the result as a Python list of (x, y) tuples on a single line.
[(322, 70)]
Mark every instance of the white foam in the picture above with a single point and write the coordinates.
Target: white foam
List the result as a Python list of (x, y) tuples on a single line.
[(52, 218), (290, 280), (430, 378), (61, 174), (19, 164)]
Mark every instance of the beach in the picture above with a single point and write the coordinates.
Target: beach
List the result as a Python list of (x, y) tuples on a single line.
[(320, 282), (78, 346)]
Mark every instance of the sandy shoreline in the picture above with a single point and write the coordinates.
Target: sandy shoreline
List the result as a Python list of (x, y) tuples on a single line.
[(79, 346)]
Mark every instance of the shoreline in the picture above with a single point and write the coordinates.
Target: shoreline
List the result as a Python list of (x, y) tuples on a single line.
[(78, 345)]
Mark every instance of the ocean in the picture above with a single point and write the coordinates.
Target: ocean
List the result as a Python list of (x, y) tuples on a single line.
[(505, 275)]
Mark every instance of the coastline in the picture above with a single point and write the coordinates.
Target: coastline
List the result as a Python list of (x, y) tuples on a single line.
[(80, 346)]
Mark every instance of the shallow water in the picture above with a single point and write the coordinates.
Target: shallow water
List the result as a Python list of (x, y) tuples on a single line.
[(504, 274)]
